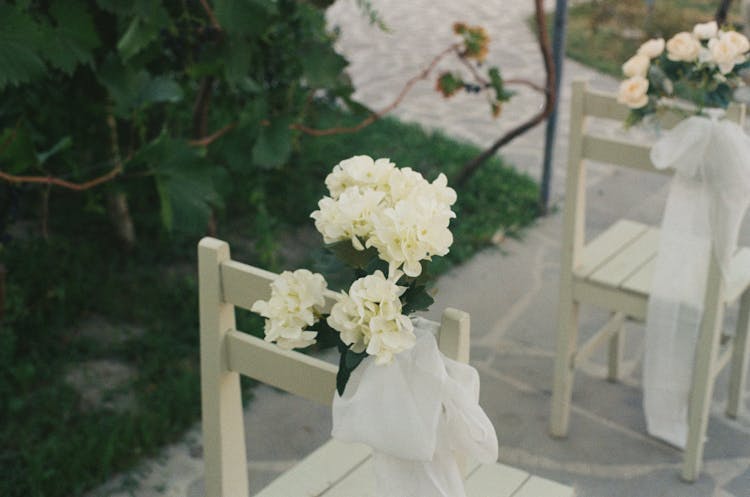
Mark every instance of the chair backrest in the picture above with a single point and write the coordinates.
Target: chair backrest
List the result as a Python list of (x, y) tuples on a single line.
[(585, 145), (227, 352)]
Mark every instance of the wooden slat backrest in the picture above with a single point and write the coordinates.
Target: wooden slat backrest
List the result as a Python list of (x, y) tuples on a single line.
[(226, 353), (585, 145), (619, 152)]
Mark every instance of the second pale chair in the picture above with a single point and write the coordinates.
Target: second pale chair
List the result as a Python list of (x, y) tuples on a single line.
[(613, 272)]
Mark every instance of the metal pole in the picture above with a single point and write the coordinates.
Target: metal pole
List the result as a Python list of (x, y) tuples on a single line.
[(558, 52)]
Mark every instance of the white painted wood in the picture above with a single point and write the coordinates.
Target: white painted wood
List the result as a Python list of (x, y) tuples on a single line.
[(223, 430), (610, 328), (572, 244), (614, 272), (631, 304), (606, 245), (702, 381), (724, 355), (335, 469), (740, 353), (360, 482), (740, 277), (495, 480), (319, 471), (640, 281), (288, 370), (454, 337), (628, 260), (620, 152), (540, 487), (614, 353)]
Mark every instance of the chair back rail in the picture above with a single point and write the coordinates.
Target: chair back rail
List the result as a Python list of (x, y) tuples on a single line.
[(227, 352), (586, 145)]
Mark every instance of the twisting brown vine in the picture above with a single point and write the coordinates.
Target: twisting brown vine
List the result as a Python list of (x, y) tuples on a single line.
[(549, 102)]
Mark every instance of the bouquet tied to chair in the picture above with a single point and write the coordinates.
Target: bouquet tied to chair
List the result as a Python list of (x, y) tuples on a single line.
[(395, 391), (709, 195)]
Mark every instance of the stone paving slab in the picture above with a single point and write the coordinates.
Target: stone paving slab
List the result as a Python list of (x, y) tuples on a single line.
[(510, 291)]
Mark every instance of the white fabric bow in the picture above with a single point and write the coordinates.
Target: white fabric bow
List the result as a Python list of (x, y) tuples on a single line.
[(418, 414), (708, 197)]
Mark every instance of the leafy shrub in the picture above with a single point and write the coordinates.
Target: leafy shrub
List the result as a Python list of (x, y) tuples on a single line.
[(145, 89)]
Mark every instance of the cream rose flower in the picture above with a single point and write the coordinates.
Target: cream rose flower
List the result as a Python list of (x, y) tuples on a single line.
[(706, 30), (652, 48), (633, 92), (369, 318), (296, 302), (724, 54), (637, 65), (738, 40), (683, 47)]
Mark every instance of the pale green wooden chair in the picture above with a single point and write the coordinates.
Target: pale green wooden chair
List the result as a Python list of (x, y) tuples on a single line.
[(613, 271), (335, 469)]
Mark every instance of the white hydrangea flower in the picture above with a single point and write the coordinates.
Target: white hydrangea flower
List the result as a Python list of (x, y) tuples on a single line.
[(403, 182), (349, 217), (360, 171), (369, 318), (395, 210), (296, 302), (416, 227)]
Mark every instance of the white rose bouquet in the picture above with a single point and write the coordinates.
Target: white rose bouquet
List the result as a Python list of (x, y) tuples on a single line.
[(701, 66), (386, 223)]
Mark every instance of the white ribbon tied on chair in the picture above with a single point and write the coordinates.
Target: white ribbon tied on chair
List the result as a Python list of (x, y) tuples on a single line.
[(421, 415), (708, 197)]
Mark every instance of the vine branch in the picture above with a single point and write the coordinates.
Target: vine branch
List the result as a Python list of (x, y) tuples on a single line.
[(549, 91), (377, 115), (211, 15)]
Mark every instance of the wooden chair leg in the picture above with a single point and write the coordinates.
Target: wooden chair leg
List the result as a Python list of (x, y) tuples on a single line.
[(616, 344), (740, 352), (704, 377), (567, 338)]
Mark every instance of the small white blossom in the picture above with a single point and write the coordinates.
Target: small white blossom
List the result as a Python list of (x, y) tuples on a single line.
[(349, 217), (360, 171), (415, 226), (369, 318), (296, 302)]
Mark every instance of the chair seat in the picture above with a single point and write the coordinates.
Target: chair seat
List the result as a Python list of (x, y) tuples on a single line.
[(338, 469), (621, 260)]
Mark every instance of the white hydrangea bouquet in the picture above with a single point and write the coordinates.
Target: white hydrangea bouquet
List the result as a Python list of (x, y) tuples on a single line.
[(386, 222), (702, 66), (417, 409)]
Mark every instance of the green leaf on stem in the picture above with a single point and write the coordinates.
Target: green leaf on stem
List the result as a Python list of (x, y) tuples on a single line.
[(348, 362), (274, 144), (359, 259), (416, 298)]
